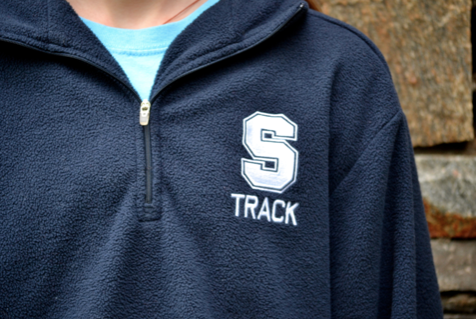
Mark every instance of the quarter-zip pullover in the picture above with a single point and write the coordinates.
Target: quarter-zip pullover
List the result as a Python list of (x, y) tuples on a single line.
[(274, 177)]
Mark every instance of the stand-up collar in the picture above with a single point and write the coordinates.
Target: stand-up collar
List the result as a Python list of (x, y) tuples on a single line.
[(227, 27)]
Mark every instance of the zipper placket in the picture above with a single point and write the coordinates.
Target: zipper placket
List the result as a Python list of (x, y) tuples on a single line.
[(145, 106), (144, 121)]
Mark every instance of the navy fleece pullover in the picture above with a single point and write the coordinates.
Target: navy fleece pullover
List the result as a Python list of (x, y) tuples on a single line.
[(275, 177)]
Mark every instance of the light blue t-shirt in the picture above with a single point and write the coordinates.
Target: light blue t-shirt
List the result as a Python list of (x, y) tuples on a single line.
[(139, 52)]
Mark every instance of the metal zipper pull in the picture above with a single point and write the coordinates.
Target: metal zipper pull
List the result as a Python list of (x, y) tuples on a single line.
[(144, 113)]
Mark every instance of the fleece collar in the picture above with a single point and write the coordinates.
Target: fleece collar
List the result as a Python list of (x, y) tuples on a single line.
[(225, 29)]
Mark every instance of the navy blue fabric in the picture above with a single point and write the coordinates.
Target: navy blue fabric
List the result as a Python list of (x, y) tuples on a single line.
[(76, 237)]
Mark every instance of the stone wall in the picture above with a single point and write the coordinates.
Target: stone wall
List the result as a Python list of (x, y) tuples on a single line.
[(427, 44), (428, 48), (448, 184)]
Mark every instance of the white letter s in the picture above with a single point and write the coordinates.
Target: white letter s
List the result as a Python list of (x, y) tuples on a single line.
[(274, 164)]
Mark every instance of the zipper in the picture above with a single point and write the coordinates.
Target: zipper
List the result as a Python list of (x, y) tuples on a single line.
[(144, 113), (144, 121), (145, 105)]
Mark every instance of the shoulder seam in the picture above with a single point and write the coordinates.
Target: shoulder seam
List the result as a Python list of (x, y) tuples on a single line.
[(393, 117)]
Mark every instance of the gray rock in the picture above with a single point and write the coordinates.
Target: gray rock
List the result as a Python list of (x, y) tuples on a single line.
[(448, 185), (449, 182), (459, 303), (455, 263)]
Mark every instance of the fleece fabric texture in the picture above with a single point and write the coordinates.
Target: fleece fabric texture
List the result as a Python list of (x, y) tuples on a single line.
[(139, 52), (99, 221)]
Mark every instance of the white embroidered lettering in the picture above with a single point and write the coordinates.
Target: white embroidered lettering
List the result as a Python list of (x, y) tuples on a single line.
[(264, 211), (251, 202), (273, 165), (238, 197), (281, 212), (290, 213), (275, 204)]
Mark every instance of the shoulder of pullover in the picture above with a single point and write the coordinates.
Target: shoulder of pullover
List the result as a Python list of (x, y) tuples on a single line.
[(349, 37), (331, 48), (362, 98)]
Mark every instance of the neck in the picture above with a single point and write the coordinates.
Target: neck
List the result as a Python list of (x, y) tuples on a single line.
[(134, 14)]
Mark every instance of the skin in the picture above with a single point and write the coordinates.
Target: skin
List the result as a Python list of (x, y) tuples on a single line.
[(134, 14)]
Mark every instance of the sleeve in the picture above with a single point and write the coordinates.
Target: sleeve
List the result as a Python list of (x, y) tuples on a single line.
[(381, 261), (380, 256)]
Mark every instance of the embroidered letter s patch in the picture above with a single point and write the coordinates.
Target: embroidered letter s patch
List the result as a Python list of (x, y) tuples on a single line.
[(274, 162)]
